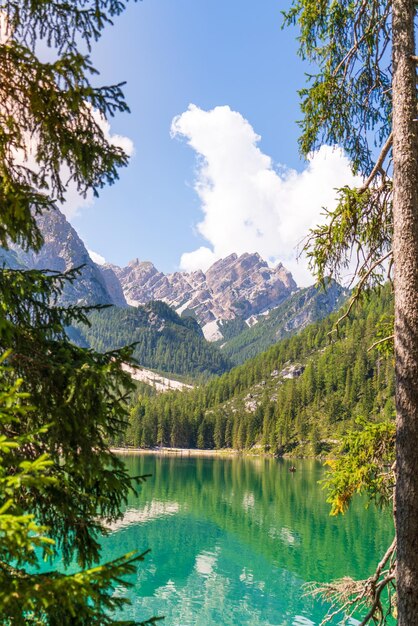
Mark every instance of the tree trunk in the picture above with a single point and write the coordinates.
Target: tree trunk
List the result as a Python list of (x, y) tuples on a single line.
[(405, 254)]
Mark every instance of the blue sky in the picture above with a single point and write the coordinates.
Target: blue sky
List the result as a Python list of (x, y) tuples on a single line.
[(210, 53)]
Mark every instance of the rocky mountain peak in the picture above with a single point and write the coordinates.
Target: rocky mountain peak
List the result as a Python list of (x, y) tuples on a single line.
[(63, 250), (141, 270), (137, 263), (242, 287), (235, 286)]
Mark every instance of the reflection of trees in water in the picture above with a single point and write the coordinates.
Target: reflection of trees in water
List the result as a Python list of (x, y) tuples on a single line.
[(258, 502), (176, 576)]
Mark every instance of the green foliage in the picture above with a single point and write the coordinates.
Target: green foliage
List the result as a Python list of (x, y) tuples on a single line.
[(364, 465), (162, 339), (348, 101), (232, 328), (254, 405), (349, 94), (361, 221), (78, 399), (27, 596), (51, 110), (60, 405)]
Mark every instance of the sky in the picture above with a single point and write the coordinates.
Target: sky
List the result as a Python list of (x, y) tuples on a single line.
[(214, 168)]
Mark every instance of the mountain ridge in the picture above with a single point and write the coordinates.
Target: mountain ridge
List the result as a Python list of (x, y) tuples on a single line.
[(240, 303), (64, 250), (235, 286)]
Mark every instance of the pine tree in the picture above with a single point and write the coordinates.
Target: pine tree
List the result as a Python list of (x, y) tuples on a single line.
[(60, 405), (27, 597), (365, 86)]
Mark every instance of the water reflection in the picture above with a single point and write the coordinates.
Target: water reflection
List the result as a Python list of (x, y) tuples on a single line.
[(234, 540), (150, 511)]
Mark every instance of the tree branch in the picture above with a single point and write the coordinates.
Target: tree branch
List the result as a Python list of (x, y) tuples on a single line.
[(384, 560), (345, 594), (376, 343), (360, 285), (378, 165), (376, 602)]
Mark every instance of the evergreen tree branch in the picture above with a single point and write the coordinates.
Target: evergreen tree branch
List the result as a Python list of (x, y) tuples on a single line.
[(377, 169)]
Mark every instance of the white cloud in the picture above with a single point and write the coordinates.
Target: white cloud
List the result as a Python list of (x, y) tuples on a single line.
[(116, 140), (96, 257), (202, 258), (249, 205)]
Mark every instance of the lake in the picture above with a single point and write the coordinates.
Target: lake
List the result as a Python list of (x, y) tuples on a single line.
[(234, 540)]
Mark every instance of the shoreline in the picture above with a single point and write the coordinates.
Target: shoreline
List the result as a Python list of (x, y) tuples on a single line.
[(183, 452), (211, 453)]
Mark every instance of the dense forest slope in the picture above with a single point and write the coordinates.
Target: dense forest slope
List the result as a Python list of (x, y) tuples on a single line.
[(164, 341), (302, 393), (295, 313), (175, 344)]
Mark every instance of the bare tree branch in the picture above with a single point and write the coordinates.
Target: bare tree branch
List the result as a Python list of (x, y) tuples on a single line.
[(357, 293), (376, 343), (378, 165)]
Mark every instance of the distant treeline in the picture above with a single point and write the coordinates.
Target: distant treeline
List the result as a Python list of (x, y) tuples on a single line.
[(253, 405)]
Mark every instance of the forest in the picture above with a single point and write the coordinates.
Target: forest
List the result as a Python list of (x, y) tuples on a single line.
[(255, 405), (162, 339)]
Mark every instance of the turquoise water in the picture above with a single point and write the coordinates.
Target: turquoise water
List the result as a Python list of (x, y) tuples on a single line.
[(234, 540)]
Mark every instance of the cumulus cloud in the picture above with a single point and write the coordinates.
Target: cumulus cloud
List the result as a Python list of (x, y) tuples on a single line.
[(123, 142), (202, 258), (248, 204), (96, 257)]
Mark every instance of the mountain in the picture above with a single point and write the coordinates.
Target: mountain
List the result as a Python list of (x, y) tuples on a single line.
[(234, 287), (63, 250), (164, 341), (301, 395), (241, 303), (245, 340)]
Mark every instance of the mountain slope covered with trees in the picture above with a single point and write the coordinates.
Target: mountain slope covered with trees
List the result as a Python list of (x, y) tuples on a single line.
[(307, 305), (164, 340), (302, 394)]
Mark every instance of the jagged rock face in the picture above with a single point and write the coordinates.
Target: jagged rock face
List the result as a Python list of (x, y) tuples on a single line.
[(237, 286), (113, 286), (246, 285), (64, 250), (313, 304), (142, 282)]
